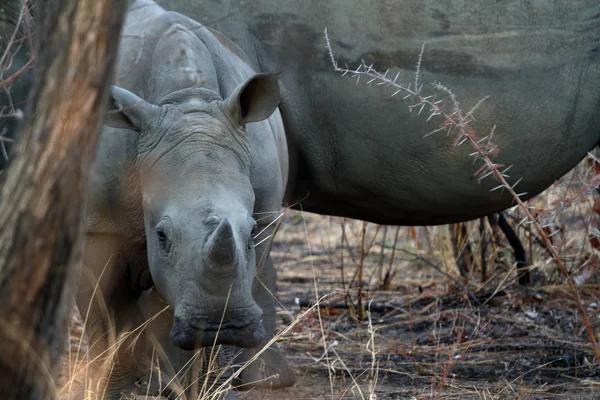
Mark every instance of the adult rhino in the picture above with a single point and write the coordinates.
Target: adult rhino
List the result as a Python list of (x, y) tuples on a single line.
[(191, 167), (357, 152)]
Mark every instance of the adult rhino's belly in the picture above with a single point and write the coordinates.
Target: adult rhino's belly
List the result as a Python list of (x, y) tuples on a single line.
[(374, 162)]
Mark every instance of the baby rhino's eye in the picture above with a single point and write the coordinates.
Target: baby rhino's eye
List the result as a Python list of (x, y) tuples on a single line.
[(163, 235)]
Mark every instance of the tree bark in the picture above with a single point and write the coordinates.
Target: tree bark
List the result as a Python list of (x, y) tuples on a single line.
[(42, 197)]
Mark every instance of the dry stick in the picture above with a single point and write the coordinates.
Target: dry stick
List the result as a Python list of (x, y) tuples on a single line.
[(13, 36), (483, 249), (366, 250), (343, 224), (458, 123), (530, 241), (379, 270), (377, 229), (389, 274), (361, 265), (4, 82)]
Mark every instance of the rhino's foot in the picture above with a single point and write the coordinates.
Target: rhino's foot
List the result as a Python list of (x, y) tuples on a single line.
[(270, 370)]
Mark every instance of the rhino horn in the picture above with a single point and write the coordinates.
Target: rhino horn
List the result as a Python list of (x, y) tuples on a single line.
[(222, 248)]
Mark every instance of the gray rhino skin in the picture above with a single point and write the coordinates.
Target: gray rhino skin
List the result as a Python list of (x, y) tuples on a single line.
[(357, 152), (14, 55), (191, 165)]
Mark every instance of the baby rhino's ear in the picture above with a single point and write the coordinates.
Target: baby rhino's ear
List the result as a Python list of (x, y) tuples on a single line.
[(128, 111), (254, 100)]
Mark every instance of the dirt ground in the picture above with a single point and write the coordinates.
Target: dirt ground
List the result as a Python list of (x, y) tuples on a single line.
[(427, 336)]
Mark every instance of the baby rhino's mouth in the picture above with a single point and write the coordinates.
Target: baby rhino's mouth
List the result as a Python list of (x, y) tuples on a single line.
[(188, 337)]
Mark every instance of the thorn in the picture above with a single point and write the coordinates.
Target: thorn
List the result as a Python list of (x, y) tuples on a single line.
[(521, 194), (512, 209), (462, 141), (397, 75), (396, 92), (432, 115), (371, 81), (507, 168), (486, 175), (497, 187), (519, 181), (521, 222), (482, 139), (434, 131)]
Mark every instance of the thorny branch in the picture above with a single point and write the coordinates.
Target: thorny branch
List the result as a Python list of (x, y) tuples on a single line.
[(455, 122)]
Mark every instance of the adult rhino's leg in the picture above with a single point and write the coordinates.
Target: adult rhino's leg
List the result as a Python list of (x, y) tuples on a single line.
[(523, 270), (108, 306), (270, 370)]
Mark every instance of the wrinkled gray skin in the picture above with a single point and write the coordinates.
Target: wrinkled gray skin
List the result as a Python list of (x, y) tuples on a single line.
[(14, 23), (190, 167), (356, 152)]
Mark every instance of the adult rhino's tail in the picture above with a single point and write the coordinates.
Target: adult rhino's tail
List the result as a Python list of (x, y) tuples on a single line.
[(15, 70)]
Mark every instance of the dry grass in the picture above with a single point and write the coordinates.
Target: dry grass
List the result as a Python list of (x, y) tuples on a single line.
[(427, 332), (435, 335)]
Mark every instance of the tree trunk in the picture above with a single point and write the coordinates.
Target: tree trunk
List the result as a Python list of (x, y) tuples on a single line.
[(42, 197)]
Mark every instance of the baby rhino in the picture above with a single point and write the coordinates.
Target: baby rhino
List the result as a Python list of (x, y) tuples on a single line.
[(189, 176)]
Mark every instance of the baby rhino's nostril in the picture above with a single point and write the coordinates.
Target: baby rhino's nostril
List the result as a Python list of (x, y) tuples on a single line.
[(183, 335)]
